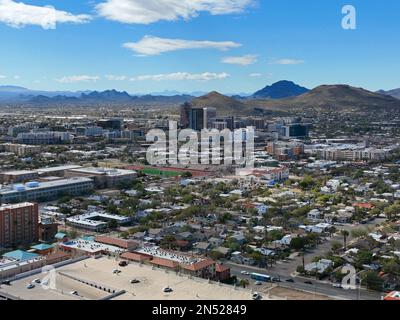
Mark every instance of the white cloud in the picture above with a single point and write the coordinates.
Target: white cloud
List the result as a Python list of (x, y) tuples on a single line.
[(150, 11), (2, 76), (112, 77), (179, 76), (80, 78), (150, 45), (241, 60), (255, 75), (287, 61), (17, 77), (19, 14)]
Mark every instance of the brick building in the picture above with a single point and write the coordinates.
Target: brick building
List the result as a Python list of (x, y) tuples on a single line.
[(19, 224)]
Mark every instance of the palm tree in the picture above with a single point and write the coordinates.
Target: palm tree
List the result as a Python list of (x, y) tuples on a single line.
[(244, 283), (345, 234)]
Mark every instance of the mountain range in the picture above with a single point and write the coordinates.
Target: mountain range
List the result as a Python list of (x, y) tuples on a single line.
[(324, 98), (394, 93), (283, 96), (13, 94)]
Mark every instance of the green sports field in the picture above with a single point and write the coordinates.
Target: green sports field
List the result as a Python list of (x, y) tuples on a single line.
[(158, 172)]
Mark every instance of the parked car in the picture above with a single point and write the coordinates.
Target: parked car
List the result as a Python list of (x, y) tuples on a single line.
[(75, 293), (167, 289), (36, 281), (337, 285), (256, 296), (308, 282), (6, 282), (258, 283), (116, 271), (135, 281), (123, 264), (290, 280), (245, 273), (30, 286)]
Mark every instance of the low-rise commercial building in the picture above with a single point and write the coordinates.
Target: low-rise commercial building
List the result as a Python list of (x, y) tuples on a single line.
[(50, 137), (104, 177), (96, 221), (45, 191), (20, 150)]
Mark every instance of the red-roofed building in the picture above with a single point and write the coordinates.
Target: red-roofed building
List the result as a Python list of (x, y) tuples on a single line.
[(271, 173), (363, 205), (203, 269), (393, 296), (222, 272), (138, 257), (165, 263), (121, 243)]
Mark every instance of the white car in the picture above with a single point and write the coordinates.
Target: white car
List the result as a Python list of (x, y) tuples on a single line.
[(30, 286), (245, 273), (337, 285), (256, 296), (36, 281), (258, 283), (75, 293)]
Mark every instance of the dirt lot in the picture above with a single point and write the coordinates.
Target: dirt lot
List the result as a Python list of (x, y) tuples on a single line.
[(292, 294)]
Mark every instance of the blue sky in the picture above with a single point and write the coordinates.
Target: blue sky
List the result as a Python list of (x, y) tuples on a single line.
[(231, 46)]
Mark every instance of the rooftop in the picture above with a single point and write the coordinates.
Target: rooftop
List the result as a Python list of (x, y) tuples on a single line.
[(42, 246), (169, 255), (90, 219), (20, 255), (91, 246), (45, 185), (15, 206), (104, 171), (149, 288)]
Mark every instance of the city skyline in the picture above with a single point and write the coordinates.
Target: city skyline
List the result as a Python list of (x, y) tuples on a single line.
[(228, 46)]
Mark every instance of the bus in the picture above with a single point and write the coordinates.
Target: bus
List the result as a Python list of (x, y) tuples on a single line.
[(260, 277)]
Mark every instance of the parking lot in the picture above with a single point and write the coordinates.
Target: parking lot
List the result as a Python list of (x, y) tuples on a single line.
[(150, 284)]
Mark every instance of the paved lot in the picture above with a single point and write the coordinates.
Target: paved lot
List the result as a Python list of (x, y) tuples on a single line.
[(151, 284)]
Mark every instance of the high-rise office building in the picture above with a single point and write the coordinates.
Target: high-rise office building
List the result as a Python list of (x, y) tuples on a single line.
[(297, 130), (19, 224), (185, 114), (196, 119)]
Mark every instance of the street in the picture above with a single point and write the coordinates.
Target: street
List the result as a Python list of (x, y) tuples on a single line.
[(317, 287)]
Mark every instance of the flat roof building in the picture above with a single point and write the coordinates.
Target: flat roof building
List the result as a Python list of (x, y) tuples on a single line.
[(96, 221), (45, 191), (104, 177)]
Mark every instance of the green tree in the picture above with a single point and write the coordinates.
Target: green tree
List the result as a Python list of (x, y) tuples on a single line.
[(335, 246), (391, 266), (244, 283), (298, 243), (112, 224), (371, 280), (359, 233)]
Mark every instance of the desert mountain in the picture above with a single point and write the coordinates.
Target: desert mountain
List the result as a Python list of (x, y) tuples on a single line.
[(280, 90), (335, 97), (224, 105), (394, 93)]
